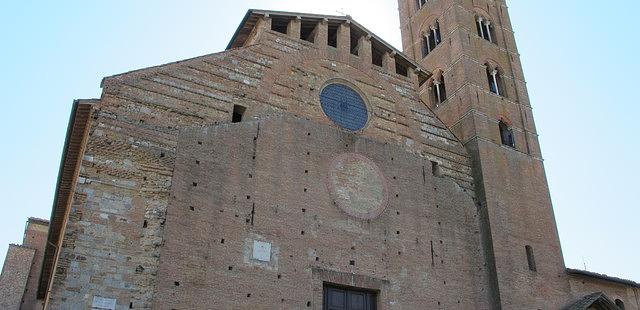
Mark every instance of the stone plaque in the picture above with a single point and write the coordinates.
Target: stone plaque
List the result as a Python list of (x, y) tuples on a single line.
[(103, 303), (262, 251)]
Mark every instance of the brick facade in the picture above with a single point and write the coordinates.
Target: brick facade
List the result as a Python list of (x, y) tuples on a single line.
[(35, 237), (225, 199), (170, 201), (22, 267), (15, 274)]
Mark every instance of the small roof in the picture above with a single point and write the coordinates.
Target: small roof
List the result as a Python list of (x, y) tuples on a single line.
[(602, 277), (39, 221), (251, 19)]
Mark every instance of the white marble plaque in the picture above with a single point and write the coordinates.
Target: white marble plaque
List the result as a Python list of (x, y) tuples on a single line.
[(103, 303), (262, 251)]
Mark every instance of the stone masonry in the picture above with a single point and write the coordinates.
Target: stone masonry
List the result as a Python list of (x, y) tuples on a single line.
[(219, 182)]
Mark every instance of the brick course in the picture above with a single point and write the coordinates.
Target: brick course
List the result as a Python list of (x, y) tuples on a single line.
[(117, 222), (227, 194), (173, 203)]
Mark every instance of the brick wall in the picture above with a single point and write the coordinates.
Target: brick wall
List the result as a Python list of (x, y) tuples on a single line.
[(14, 277), (21, 270), (270, 183), (35, 237), (511, 182), (147, 222), (585, 285), (116, 227)]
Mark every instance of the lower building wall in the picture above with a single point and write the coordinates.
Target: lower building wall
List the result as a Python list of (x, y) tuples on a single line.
[(15, 274), (256, 221), (584, 285), (35, 237)]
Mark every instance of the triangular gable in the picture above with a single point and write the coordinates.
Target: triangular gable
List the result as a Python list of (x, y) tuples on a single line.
[(597, 301)]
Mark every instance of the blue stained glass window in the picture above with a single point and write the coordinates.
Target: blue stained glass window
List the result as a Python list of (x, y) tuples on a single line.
[(344, 106)]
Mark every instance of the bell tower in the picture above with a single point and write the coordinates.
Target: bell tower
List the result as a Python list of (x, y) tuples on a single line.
[(478, 90)]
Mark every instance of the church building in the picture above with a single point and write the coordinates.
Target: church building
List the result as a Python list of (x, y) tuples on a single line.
[(312, 165)]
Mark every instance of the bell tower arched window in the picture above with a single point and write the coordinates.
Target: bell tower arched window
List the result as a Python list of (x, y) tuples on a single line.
[(485, 29), (494, 78), (431, 39), (438, 90), (506, 134)]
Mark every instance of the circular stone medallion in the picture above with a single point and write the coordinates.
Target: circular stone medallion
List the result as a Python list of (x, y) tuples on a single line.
[(357, 186)]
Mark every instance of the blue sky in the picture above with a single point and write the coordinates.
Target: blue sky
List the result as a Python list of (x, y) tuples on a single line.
[(579, 61)]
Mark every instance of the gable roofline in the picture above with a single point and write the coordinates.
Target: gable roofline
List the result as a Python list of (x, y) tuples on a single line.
[(77, 131), (249, 22), (250, 19), (604, 277)]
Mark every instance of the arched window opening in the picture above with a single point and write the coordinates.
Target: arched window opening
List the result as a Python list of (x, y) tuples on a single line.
[(479, 28), (620, 304), (495, 81), (485, 29), (420, 3), (431, 39), (506, 135), (438, 90)]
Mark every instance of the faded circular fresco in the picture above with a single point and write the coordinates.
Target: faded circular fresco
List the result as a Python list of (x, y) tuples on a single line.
[(357, 186)]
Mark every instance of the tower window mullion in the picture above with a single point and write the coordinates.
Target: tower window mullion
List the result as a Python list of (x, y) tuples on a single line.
[(495, 81), (425, 46), (432, 41), (487, 26), (439, 91), (480, 27)]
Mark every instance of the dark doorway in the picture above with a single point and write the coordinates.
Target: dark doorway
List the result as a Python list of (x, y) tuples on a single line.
[(341, 298), (238, 113)]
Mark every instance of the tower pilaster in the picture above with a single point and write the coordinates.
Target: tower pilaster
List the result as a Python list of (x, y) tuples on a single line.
[(488, 109)]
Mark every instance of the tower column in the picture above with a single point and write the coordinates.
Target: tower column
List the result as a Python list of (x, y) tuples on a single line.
[(513, 195), (487, 24), (426, 37), (436, 85), (495, 81), (436, 37)]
